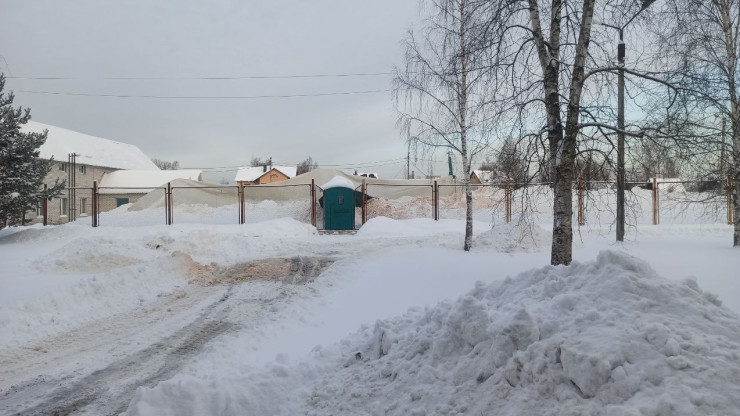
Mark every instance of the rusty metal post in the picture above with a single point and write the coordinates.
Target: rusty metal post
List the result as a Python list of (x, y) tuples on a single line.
[(435, 193), (364, 200), (168, 203), (730, 202), (95, 204), (581, 188), (313, 202), (45, 207), (656, 202), (242, 204), (507, 199)]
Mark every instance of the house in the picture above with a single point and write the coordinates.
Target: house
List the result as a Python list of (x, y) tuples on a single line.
[(122, 187), (482, 177), (259, 175), (94, 157)]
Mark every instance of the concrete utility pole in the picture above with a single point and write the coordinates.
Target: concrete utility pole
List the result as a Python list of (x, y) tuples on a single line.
[(621, 185), (620, 138), (722, 151)]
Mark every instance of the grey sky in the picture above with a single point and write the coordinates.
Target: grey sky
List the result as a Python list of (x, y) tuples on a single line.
[(91, 40)]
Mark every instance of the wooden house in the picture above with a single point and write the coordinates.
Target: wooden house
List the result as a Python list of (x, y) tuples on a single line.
[(260, 175)]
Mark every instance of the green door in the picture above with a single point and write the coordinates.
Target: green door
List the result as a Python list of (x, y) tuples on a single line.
[(339, 209)]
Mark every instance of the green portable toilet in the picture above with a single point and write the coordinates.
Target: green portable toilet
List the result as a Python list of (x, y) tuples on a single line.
[(339, 204)]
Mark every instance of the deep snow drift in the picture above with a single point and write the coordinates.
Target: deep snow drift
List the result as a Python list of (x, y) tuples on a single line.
[(606, 337)]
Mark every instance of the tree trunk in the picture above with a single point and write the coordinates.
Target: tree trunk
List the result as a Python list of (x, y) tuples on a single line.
[(462, 103), (565, 153)]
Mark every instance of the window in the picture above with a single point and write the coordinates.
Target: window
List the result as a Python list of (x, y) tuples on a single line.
[(83, 206), (63, 207), (121, 201), (83, 169), (63, 167), (40, 208)]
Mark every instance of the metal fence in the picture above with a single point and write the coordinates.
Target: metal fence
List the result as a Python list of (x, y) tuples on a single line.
[(398, 201)]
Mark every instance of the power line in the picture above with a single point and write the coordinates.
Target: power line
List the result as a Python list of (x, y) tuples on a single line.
[(359, 74), (201, 97), (344, 165)]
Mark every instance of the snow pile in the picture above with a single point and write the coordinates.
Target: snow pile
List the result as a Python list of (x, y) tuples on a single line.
[(608, 337), (401, 208), (512, 237), (94, 297)]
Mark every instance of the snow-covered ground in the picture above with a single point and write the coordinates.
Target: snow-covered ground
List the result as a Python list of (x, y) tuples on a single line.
[(270, 318)]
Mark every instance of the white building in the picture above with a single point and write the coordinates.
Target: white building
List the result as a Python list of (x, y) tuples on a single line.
[(95, 158)]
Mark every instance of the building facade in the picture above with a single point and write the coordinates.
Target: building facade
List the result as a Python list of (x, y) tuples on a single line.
[(94, 157)]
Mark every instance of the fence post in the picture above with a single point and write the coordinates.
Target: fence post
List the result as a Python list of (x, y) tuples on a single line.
[(45, 207), (436, 200), (242, 204), (313, 202), (95, 204), (364, 207), (507, 199), (168, 203), (730, 202), (656, 202), (581, 188)]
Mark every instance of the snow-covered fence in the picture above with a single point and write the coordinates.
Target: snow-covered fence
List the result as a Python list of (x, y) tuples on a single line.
[(594, 202)]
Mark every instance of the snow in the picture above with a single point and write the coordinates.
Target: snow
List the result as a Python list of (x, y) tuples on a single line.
[(143, 181), (93, 151), (338, 182), (249, 174), (402, 323)]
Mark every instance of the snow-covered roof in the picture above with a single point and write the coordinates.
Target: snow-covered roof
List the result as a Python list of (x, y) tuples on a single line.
[(338, 182), (485, 176), (252, 173), (92, 150), (143, 181)]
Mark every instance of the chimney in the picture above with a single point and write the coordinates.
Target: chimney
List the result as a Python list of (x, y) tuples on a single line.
[(264, 168)]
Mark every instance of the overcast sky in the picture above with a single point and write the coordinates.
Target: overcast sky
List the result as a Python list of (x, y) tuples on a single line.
[(173, 40)]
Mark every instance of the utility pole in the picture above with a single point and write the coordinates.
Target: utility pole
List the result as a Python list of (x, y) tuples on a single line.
[(620, 119), (620, 138), (722, 151)]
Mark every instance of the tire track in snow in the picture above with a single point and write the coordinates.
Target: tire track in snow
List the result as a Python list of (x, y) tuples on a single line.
[(107, 391)]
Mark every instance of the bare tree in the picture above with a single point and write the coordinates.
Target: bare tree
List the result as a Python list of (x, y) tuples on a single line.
[(257, 161), (166, 165), (306, 165), (562, 75), (704, 37), (511, 163), (443, 91)]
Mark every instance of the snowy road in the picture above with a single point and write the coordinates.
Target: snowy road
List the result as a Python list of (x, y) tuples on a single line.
[(103, 363), (96, 369)]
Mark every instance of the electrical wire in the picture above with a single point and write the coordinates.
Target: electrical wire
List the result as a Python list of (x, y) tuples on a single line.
[(359, 74), (202, 97), (277, 163)]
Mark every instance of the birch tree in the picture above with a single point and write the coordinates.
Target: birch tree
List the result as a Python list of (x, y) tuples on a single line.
[(562, 84), (704, 37), (443, 92)]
